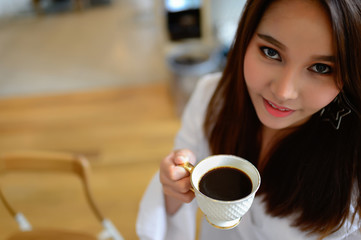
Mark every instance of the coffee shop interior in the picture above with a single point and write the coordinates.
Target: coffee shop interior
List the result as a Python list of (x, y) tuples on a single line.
[(106, 80)]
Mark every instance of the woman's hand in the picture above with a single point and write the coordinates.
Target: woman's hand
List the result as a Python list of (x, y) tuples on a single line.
[(175, 179)]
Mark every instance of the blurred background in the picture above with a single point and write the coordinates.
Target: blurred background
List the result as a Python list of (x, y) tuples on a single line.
[(107, 79)]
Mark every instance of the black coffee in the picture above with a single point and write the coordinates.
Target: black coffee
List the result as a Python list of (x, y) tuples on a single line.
[(226, 184)]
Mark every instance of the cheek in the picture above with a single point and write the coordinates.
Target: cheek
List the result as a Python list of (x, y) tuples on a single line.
[(318, 99), (252, 75)]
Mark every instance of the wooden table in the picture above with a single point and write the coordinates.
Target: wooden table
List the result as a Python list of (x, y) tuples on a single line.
[(124, 132)]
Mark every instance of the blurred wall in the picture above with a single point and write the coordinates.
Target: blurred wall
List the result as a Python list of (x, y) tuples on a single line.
[(224, 17), (11, 7)]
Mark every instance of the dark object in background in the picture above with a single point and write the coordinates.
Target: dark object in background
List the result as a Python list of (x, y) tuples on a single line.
[(99, 2), (188, 62), (184, 24), (58, 6)]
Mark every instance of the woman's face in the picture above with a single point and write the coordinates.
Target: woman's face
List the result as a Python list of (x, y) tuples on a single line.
[(289, 64)]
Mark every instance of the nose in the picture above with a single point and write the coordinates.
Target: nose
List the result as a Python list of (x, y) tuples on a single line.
[(284, 86)]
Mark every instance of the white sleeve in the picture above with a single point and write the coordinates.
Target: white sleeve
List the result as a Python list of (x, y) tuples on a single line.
[(356, 235), (153, 223), (354, 229), (352, 226)]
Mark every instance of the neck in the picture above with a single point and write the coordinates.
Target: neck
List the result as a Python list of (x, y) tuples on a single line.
[(268, 139)]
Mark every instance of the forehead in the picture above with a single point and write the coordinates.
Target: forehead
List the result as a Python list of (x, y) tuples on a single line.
[(298, 22)]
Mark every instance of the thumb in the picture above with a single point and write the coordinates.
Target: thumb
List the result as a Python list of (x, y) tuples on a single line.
[(184, 155)]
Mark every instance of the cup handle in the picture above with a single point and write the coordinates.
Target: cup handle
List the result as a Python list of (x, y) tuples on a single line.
[(189, 167)]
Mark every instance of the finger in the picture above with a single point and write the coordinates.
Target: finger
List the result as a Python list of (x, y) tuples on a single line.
[(170, 170), (181, 186), (184, 197), (177, 173), (184, 155)]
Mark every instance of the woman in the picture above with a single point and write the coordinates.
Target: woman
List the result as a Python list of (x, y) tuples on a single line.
[(289, 101)]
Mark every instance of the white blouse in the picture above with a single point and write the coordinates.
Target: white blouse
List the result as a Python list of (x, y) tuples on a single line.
[(154, 223)]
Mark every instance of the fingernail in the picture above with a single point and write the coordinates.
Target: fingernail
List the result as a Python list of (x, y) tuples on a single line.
[(184, 158)]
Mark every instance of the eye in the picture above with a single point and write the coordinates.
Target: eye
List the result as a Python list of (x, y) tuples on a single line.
[(270, 53), (321, 68)]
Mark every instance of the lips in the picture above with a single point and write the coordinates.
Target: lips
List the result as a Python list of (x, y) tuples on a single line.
[(276, 110)]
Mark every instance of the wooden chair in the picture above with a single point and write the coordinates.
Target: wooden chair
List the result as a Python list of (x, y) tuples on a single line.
[(53, 162)]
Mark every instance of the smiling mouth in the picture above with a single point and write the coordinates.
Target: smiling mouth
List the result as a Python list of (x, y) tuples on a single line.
[(275, 110), (278, 108)]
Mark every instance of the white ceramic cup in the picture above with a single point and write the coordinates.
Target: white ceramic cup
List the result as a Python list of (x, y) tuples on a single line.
[(223, 214)]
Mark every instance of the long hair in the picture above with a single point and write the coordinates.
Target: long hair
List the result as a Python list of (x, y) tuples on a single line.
[(312, 173)]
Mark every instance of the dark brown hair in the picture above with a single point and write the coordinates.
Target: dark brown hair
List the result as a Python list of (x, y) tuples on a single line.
[(311, 173)]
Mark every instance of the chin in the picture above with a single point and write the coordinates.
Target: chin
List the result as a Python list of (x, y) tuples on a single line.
[(277, 123), (282, 123)]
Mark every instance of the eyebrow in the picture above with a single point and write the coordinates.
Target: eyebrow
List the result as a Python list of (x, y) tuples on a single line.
[(324, 58), (281, 46), (272, 40)]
